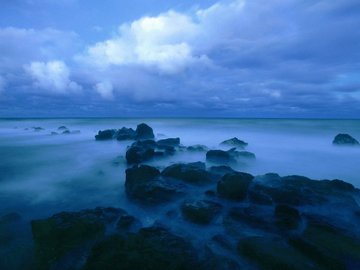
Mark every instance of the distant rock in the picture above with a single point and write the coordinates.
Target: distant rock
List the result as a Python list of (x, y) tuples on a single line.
[(66, 132), (62, 128), (200, 212), (345, 139), (125, 134), (38, 128), (144, 132), (107, 134), (197, 148), (234, 186), (169, 142), (235, 142), (54, 133), (228, 157)]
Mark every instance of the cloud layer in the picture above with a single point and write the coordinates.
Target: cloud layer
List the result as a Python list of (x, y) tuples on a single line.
[(234, 58)]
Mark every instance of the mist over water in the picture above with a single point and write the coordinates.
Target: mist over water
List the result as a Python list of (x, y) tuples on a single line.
[(41, 174)]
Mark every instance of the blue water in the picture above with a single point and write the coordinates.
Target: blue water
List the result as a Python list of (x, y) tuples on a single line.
[(41, 173)]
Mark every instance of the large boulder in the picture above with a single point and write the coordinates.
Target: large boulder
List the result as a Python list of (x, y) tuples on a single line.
[(105, 135), (200, 212), (235, 142), (152, 248), (234, 186), (144, 132), (67, 232), (138, 154), (345, 139), (146, 185), (193, 173)]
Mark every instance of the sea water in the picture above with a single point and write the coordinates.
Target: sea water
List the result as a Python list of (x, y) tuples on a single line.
[(41, 174)]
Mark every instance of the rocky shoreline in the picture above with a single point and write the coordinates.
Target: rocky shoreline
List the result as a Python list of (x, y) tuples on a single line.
[(209, 216)]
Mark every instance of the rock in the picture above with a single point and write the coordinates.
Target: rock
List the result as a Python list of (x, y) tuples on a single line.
[(58, 235), (345, 139), (145, 184), (259, 197), (66, 132), (235, 142), (62, 128), (105, 135), (38, 128), (144, 132), (219, 157), (244, 155), (153, 248), (169, 142), (193, 173), (273, 253), (127, 223), (200, 212), (234, 186), (220, 171), (252, 216), (197, 148), (138, 154), (287, 217), (125, 134), (54, 133)]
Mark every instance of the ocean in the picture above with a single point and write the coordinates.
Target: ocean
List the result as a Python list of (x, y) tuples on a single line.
[(42, 173)]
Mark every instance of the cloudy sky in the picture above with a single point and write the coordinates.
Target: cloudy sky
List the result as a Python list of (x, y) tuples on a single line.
[(230, 58)]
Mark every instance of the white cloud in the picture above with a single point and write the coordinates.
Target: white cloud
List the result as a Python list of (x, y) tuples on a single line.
[(169, 42), (105, 89), (53, 76)]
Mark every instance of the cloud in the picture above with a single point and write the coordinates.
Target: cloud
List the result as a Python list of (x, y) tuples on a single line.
[(105, 89), (52, 76)]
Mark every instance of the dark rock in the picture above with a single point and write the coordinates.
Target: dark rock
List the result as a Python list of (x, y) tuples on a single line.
[(146, 185), (169, 142), (194, 173), (287, 217), (235, 142), (144, 132), (38, 128), (345, 139), (60, 234), (105, 134), (152, 248), (54, 133), (125, 134), (66, 132), (269, 253), (220, 170), (8, 225), (234, 186), (244, 155), (200, 212), (138, 154), (259, 197), (62, 128), (197, 148), (127, 223), (219, 156), (252, 216)]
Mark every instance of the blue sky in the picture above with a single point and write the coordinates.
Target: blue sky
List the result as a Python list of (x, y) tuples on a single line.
[(231, 58)]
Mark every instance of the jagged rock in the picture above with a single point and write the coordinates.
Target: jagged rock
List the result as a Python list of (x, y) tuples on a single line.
[(145, 184), (234, 186), (235, 142), (287, 217), (200, 212), (194, 173), (153, 248), (137, 154), (105, 134), (125, 134), (197, 148), (144, 132), (345, 139), (62, 128)]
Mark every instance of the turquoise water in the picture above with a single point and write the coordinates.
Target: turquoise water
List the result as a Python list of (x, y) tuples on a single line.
[(41, 173)]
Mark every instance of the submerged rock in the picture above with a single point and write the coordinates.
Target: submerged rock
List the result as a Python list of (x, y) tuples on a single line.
[(146, 185), (234, 186), (197, 148), (345, 139), (169, 142), (153, 248), (200, 212), (194, 173), (137, 154), (62, 128), (228, 157), (105, 135), (235, 142)]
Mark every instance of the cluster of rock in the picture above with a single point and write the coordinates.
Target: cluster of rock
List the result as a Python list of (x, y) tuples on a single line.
[(142, 132), (266, 222), (64, 130)]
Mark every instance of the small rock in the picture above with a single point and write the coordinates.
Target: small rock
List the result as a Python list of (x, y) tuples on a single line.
[(345, 139)]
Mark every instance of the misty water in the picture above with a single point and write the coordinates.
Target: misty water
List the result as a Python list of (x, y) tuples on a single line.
[(42, 174)]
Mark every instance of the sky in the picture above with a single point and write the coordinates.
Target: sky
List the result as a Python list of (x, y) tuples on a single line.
[(180, 58)]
